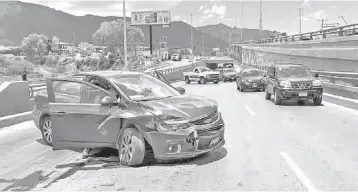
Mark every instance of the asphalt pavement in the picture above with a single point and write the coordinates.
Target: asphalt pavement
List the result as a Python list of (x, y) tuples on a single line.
[(283, 148)]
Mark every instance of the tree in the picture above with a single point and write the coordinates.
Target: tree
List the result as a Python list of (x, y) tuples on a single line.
[(55, 40), (34, 44), (111, 34), (86, 48)]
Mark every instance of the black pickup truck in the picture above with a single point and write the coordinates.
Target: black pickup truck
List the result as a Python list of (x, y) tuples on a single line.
[(292, 82)]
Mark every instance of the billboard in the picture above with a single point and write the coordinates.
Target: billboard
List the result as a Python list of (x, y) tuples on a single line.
[(151, 17)]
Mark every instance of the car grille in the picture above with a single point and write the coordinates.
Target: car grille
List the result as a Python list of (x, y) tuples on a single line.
[(213, 76), (208, 119), (301, 85), (210, 131)]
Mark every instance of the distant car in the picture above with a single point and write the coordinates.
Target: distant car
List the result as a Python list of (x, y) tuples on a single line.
[(176, 57), (202, 75), (250, 78), (135, 113), (228, 74), (293, 82)]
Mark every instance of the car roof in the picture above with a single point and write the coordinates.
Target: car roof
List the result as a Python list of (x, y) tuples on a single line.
[(109, 73)]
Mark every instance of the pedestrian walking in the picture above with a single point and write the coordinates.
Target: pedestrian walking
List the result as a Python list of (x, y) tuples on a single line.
[(24, 76)]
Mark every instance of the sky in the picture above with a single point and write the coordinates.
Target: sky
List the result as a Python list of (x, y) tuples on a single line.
[(282, 16)]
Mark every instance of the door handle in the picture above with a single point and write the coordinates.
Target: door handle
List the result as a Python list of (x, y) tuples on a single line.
[(61, 114)]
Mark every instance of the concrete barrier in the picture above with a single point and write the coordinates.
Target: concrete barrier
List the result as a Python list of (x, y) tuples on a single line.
[(14, 98)]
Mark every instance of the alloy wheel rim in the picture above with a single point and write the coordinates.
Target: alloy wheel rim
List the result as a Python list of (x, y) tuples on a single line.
[(47, 130), (126, 148)]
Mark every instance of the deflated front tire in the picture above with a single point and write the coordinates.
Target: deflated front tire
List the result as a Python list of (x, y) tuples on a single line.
[(131, 147)]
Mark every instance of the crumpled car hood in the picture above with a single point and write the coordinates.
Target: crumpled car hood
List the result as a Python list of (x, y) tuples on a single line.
[(184, 106)]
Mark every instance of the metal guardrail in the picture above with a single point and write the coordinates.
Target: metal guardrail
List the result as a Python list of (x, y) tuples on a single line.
[(345, 78), (347, 30)]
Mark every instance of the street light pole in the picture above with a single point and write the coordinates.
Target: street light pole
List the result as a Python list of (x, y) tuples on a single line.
[(300, 14), (125, 35), (191, 38), (242, 18)]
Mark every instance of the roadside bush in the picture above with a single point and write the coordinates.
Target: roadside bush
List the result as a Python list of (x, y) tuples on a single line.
[(15, 67)]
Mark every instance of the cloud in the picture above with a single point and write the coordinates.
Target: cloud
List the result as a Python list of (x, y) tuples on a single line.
[(201, 8), (320, 14), (211, 15), (215, 10), (305, 3), (176, 18)]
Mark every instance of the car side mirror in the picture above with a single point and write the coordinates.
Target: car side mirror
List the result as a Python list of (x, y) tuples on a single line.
[(316, 75), (181, 90), (109, 101)]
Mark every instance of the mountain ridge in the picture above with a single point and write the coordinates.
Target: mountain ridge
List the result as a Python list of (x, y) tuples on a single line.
[(19, 19)]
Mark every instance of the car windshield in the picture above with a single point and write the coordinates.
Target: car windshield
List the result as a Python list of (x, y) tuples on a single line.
[(204, 69), (252, 73), (143, 87), (292, 72), (229, 70)]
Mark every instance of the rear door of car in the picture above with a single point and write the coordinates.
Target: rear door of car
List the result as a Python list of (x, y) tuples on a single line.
[(76, 119)]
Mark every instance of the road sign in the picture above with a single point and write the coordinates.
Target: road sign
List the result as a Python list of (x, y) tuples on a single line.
[(151, 17)]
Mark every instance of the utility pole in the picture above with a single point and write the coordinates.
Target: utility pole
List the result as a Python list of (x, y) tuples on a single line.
[(260, 22), (125, 35), (203, 47), (300, 15), (322, 23), (242, 18), (191, 33)]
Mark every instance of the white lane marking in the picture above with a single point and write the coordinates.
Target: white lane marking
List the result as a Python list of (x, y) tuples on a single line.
[(299, 173), (340, 97), (341, 108), (249, 110), (15, 115)]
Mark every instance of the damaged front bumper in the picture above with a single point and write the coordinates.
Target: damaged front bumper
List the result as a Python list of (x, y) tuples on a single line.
[(187, 143)]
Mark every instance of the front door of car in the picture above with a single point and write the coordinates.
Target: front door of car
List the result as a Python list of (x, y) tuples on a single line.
[(271, 80), (160, 76), (76, 120), (196, 75)]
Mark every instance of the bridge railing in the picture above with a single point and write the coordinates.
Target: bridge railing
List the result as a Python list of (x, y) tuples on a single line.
[(344, 78), (347, 30)]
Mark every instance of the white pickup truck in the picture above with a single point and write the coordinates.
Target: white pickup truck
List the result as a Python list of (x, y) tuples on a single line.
[(202, 75)]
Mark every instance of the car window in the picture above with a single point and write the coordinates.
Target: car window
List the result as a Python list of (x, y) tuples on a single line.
[(144, 87), (74, 92), (293, 72), (104, 85)]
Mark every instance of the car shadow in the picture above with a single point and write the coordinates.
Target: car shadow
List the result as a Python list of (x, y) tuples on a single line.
[(108, 159), (42, 142), (27, 183), (294, 103)]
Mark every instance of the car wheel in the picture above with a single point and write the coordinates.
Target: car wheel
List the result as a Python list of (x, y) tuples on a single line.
[(277, 100), (216, 82), (131, 147), (317, 100), (241, 89), (267, 95), (202, 80), (46, 130), (187, 81)]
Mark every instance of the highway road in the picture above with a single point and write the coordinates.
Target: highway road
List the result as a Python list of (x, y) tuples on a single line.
[(268, 147)]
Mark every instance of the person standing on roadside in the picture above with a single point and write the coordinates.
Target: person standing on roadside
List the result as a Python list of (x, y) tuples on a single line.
[(24, 76)]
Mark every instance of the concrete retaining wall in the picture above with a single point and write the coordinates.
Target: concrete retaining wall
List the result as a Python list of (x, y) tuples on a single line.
[(336, 60), (14, 98)]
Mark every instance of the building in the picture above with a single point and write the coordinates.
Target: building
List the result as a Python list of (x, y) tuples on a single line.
[(63, 48)]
